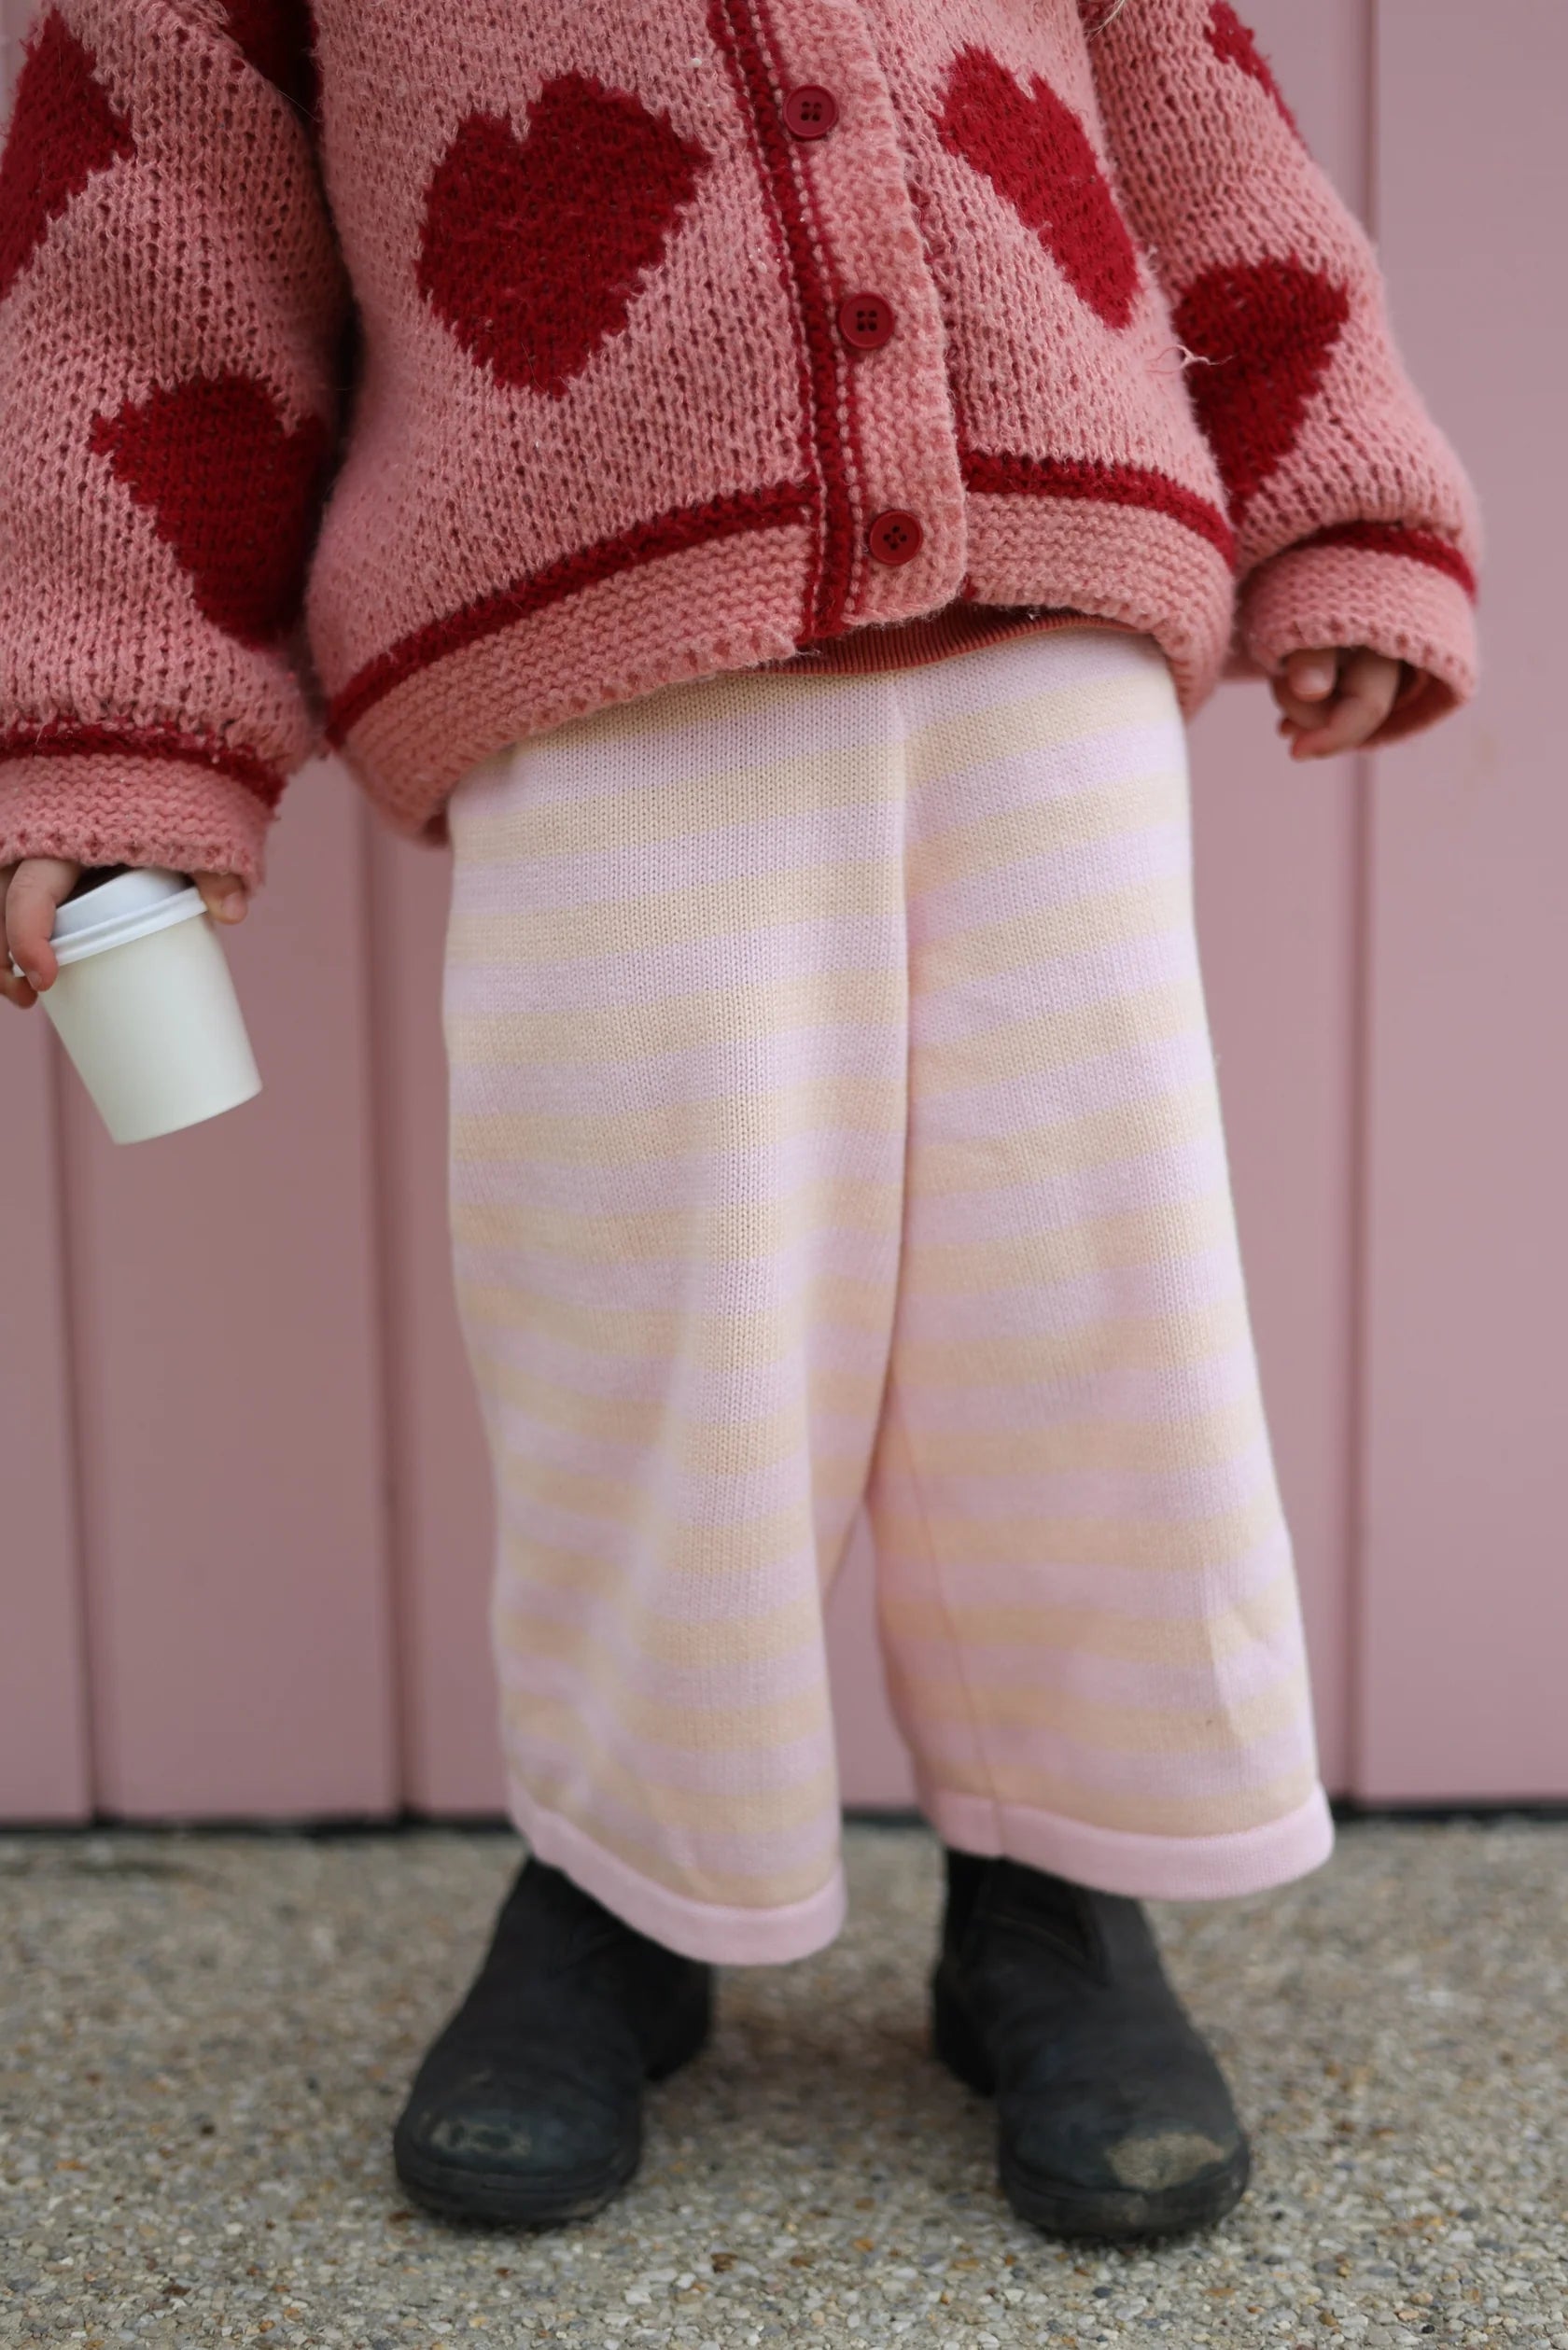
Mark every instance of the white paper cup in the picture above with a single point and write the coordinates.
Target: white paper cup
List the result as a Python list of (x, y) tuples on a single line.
[(146, 1007)]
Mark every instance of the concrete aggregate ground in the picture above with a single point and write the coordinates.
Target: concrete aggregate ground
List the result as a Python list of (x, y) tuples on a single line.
[(204, 2040)]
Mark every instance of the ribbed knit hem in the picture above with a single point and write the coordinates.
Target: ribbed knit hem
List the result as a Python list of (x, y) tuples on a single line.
[(697, 1929), (914, 644), (420, 714), (127, 808), (1150, 1867), (1401, 605), (731, 603), (1128, 564)]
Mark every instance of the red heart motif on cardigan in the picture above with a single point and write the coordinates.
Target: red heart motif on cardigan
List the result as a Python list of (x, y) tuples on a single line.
[(1268, 329), (232, 490), (1234, 44), (1036, 153), (533, 249), (278, 38), (64, 129)]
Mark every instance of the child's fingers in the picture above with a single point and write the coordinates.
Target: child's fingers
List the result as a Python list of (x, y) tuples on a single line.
[(1368, 682), (224, 895), (1300, 688), (15, 990), (32, 897), (1311, 675)]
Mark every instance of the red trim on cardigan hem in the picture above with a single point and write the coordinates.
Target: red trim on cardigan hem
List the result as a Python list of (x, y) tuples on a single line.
[(1001, 472), (715, 518), (1397, 538), (65, 737), (739, 31)]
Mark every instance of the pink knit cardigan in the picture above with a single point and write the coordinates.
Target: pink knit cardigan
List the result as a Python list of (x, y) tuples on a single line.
[(406, 379)]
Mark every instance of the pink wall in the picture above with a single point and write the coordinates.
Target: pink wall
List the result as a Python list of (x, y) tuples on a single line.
[(246, 1520), (1464, 1624)]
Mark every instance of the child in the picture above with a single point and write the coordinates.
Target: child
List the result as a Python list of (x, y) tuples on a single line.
[(765, 479)]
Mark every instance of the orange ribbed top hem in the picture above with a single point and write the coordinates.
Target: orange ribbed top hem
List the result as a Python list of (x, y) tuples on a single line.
[(910, 644)]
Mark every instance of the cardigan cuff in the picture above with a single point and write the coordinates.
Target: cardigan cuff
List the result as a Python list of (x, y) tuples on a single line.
[(130, 808), (1406, 593)]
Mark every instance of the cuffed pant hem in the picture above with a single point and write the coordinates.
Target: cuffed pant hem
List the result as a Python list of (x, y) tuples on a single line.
[(697, 1929), (1152, 1868)]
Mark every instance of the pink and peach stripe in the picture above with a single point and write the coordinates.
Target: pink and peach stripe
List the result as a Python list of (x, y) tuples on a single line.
[(834, 1117)]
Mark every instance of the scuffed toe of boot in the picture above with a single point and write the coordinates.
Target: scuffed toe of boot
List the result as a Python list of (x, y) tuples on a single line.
[(1113, 2116), (526, 2146), (529, 2128), (1075, 2170), (528, 2109)]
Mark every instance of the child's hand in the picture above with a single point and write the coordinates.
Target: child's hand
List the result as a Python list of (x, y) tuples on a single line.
[(29, 895), (1334, 699)]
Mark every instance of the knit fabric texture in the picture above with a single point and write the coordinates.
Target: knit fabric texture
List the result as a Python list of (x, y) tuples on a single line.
[(835, 1124), (407, 381)]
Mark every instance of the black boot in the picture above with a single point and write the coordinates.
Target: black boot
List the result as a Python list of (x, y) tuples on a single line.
[(1114, 2120), (528, 2107)]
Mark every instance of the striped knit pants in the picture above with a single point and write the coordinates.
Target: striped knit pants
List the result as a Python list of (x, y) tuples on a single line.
[(834, 1121)]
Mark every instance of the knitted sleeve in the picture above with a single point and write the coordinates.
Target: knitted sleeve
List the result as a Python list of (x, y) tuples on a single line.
[(1355, 522), (172, 314)]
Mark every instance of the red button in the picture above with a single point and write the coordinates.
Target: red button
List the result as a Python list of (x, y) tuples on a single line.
[(866, 321), (810, 112), (895, 536)]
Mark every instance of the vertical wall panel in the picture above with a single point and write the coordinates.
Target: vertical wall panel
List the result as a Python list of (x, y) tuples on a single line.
[(1277, 851), (42, 1719), (227, 1350), (44, 1767), (1466, 1596), (440, 1468), (1276, 856)]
